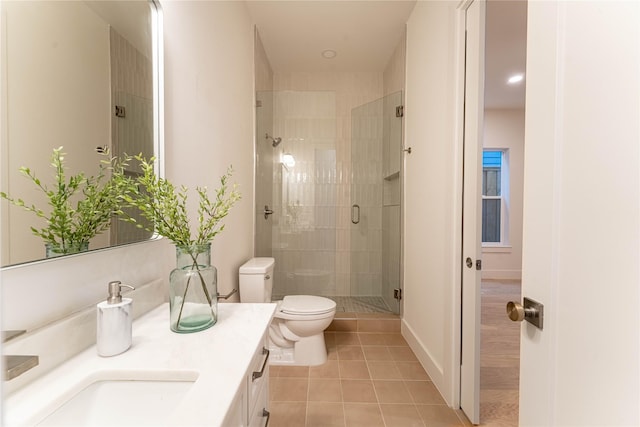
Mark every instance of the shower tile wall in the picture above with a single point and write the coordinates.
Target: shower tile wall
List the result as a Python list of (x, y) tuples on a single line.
[(304, 235), (327, 274), (132, 88)]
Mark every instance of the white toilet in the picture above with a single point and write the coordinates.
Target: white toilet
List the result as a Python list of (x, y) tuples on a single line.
[(296, 334)]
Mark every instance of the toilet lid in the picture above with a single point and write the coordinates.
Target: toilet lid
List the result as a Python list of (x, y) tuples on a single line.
[(306, 304)]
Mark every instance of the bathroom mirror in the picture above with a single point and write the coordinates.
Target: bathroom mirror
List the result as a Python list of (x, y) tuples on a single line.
[(76, 74)]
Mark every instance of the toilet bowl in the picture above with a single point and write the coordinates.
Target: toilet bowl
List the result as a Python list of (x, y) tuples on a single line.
[(296, 333)]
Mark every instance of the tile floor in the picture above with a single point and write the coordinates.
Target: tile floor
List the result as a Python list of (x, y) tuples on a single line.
[(371, 379)]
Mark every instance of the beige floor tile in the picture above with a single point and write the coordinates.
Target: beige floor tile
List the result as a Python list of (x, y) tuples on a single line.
[(274, 371), (378, 325), (287, 414), (412, 371), (329, 338), (358, 391), (292, 371), (350, 352), (324, 414), (402, 354), (354, 369), (330, 369), (392, 392), (376, 352), (343, 325), (395, 340), (288, 389), (372, 338), (424, 392), (384, 370), (332, 353), (347, 338), (363, 415), (439, 416), (325, 390), (401, 415)]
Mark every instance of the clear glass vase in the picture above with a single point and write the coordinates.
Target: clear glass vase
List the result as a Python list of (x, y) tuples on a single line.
[(193, 291), (53, 250)]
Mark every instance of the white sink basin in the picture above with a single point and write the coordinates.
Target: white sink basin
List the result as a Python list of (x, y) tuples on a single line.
[(109, 401)]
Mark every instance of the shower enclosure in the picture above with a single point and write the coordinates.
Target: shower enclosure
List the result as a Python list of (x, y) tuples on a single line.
[(328, 208)]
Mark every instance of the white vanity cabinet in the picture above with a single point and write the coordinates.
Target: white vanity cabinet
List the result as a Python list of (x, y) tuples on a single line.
[(251, 403), (226, 369)]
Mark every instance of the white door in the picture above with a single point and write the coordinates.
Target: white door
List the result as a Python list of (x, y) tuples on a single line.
[(581, 235), (472, 211)]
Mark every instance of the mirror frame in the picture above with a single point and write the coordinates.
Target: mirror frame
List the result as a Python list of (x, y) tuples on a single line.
[(157, 61)]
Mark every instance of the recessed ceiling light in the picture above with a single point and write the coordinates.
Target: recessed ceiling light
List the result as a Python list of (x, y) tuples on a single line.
[(516, 78), (329, 53)]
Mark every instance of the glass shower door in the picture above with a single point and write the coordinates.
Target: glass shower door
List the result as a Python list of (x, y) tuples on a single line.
[(376, 147)]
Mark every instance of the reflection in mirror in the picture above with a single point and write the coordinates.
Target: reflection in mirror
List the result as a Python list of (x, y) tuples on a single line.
[(78, 74)]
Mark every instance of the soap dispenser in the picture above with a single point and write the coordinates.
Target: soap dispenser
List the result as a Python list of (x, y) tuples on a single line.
[(114, 322)]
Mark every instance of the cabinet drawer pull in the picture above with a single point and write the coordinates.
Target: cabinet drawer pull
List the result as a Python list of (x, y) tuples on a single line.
[(267, 414), (257, 374)]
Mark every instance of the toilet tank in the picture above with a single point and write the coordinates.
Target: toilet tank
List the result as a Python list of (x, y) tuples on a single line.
[(256, 280)]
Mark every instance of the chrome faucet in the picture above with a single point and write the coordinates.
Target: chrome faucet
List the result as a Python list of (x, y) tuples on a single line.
[(13, 366)]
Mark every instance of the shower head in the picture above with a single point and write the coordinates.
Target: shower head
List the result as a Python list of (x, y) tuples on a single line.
[(275, 141)]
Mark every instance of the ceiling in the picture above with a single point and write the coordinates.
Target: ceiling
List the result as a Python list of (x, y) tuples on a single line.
[(365, 33), (506, 52)]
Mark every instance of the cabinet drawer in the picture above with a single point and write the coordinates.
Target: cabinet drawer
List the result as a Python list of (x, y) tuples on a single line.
[(258, 378), (259, 417)]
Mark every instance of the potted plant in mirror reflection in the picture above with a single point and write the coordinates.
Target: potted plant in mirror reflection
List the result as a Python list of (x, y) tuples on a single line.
[(80, 206), (193, 283)]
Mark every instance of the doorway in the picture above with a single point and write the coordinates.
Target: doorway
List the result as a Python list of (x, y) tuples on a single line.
[(502, 206), (493, 170)]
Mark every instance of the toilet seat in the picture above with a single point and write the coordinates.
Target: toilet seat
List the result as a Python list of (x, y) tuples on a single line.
[(306, 305)]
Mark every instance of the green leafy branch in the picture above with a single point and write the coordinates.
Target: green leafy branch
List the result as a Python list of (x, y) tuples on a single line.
[(98, 200), (164, 206)]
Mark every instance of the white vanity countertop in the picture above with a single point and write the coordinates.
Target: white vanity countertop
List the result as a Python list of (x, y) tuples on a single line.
[(220, 357)]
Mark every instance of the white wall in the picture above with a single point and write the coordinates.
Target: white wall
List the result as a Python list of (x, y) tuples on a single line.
[(504, 129), (430, 184), (209, 111)]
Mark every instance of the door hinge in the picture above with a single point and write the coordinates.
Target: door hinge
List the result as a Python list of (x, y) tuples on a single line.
[(478, 264), (397, 294), (400, 111)]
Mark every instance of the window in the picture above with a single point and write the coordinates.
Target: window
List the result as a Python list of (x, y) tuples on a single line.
[(495, 184)]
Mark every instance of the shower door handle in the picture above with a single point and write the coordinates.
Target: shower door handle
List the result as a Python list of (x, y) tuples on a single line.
[(355, 214), (267, 212)]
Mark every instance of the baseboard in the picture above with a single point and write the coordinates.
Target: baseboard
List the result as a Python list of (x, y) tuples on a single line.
[(502, 274), (434, 370)]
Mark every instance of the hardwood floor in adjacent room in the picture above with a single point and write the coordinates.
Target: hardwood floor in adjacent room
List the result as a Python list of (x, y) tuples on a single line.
[(499, 355)]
